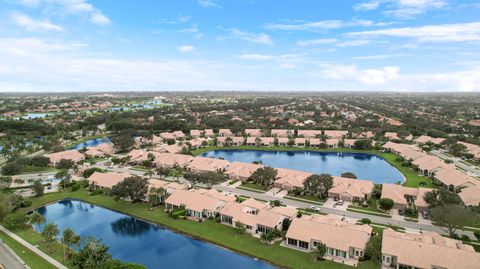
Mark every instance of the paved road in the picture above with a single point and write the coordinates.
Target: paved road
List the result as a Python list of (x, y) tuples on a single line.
[(33, 248), (472, 169), (333, 211), (8, 259)]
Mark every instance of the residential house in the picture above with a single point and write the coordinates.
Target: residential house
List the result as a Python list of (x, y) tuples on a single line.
[(233, 141), (455, 180), (204, 164), (267, 141), (253, 132), (169, 160), (345, 241), (349, 143), (404, 197), (336, 134), (107, 180), (470, 196), (225, 132), (196, 204), (100, 150), (241, 171), (423, 139), (315, 142), (288, 179), (309, 133), (332, 142), (72, 155), (429, 164), (300, 142), (350, 190), (426, 250), (391, 136), (281, 133)]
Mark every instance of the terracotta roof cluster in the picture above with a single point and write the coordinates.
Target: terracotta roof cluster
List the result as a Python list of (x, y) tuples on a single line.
[(428, 250)]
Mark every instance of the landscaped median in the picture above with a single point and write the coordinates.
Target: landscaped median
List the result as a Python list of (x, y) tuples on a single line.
[(412, 178), (364, 210), (252, 187), (209, 231)]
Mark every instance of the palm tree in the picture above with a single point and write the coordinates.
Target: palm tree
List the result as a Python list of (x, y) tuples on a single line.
[(49, 234), (149, 173), (64, 176), (69, 238)]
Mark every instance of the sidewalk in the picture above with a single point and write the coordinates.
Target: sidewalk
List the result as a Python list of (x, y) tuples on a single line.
[(33, 248)]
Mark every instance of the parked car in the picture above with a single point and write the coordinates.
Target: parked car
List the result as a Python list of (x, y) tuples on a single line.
[(400, 212), (425, 215), (340, 202)]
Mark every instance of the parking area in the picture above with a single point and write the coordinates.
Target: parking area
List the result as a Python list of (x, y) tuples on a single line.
[(341, 205)]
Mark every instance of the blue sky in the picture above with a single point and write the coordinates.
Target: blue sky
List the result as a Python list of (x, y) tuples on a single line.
[(267, 45)]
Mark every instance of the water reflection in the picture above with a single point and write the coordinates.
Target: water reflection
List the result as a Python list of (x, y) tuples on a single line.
[(129, 226)]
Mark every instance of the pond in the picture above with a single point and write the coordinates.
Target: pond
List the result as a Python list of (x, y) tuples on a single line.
[(93, 142), (364, 166), (133, 240)]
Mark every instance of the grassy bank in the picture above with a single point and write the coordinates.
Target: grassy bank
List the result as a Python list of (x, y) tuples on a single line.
[(412, 178), (209, 231)]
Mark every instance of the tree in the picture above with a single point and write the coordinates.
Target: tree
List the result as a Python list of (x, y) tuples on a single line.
[(64, 176), (286, 224), (65, 164), (38, 188), (149, 173), (36, 218), (386, 203), (15, 220), (373, 250), (452, 217), (321, 250), (349, 175), (240, 227), (157, 196), (49, 234), (11, 169), (94, 254), (318, 185), (163, 171), (123, 142), (363, 144), (88, 172), (135, 188), (264, 176), (69, 238), (267, 237)]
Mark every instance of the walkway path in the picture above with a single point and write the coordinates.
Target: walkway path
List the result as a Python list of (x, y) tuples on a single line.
[(348, 214), (9, 259), (33, 248)]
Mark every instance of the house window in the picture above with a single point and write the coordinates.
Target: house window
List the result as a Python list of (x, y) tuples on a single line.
[(303, 244), (249, 227), (227, 219), (291, 241), (263, 229)]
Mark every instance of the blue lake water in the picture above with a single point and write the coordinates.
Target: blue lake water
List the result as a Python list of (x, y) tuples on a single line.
[(364, 166), (93, 142), (134, 240)]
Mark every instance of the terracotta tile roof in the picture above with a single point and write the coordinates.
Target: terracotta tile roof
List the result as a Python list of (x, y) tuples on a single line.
[(108, 179), (429, 250), (241, 170), (331, 231), (72, 154)]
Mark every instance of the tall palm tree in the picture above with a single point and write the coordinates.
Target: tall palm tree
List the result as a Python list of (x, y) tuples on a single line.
[(49, 234), (69, 238)]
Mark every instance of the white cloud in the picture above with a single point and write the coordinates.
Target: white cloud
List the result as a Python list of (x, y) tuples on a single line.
[(258, 57), (208, 3), (320, 41), (319, 25), (460, 32), (377, 57), (32, 25), (364, 76), (259, 38), (353, 43), (69, 7), (99, 18), (186, 48), (402, 8)]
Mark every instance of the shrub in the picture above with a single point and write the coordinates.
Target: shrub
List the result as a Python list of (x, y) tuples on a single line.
[(96, 192), (477, 234), (465, 238), (385, 203), (11, 169), (75, 187), (26, 203), (366, 221), (15, 220)]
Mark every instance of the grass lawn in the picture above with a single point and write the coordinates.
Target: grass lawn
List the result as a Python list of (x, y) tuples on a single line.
[(30, 258), (252, 187), (209, 231), (358, 210), (35, 169), (412, 178), (372, 207), (305, 198)]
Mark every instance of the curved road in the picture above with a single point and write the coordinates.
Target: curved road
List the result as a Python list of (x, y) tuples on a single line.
[(8, 259)]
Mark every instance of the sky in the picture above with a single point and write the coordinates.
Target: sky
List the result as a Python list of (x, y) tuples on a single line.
[(242, 45)]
